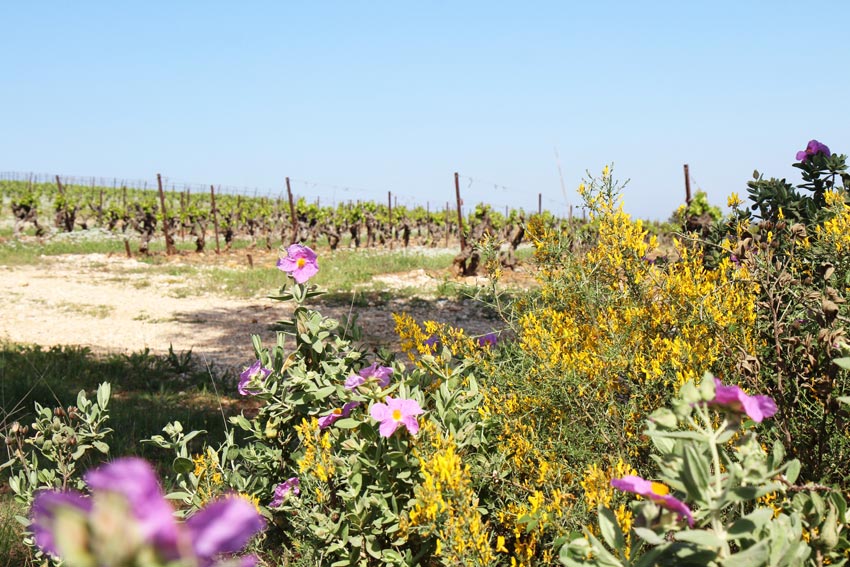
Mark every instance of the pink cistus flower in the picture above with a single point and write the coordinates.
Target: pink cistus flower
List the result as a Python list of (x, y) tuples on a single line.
[(223, 526), (254, 373), (376, 371), (337, 413), (655, 491), (488, 340), (733, 398), (812, 149), (394, 413), (300, 263), (284, 489)]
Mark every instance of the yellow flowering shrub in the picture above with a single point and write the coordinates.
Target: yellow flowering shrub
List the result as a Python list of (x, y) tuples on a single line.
[(446, 504)]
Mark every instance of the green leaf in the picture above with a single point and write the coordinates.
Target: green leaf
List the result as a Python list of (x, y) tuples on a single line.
[(101, 446), (793, 471), (843, 362), (178, 495), (649, 536), (700, 537), (323, 393), (347, 423), (610, 528), (103, 393), (695, 473), (182, 465)]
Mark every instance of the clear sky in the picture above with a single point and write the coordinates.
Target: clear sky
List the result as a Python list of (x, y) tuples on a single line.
[(376, 96)]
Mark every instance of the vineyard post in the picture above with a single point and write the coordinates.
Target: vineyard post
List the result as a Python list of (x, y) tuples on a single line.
[(59, 186), (390, 217), (182, 214), (215, 218), (687, 186), (459, 214), (169, 241), (292, 213), (447, 224), (100, 210), (540, 203)]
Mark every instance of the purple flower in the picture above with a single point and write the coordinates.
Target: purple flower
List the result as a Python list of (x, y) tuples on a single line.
[(67, 523), (655, 491), (223, 526), (380, 373), (300, 263), (255, 373), (488, 340), (812, 149), (44, 511), (394, 413), (432, 343), (733, 398), (135, 480), (282, 490), (337, 413)]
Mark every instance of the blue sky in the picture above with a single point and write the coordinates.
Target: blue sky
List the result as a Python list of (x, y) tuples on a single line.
[(368, 97)]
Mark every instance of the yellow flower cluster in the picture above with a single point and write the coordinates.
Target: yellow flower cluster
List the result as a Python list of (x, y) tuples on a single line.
[(835, 231), (414, 338), (598, 491), (210, 481), (446, 505), (317, 459), (597, 483), (616, 319), (532, 524)]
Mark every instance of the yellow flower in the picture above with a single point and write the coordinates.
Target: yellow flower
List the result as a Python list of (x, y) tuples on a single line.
[(733, 201)]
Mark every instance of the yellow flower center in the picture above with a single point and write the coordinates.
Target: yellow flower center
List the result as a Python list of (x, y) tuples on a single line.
[(396, 415), (337, 411), (660, 489), (300, 262)]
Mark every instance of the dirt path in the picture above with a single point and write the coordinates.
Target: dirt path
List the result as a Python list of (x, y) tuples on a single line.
[(77, 300)]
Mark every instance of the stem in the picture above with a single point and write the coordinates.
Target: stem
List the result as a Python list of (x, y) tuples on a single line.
[(714, 509)]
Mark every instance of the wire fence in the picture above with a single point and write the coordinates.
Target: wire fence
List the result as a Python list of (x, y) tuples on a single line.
[(500, 197)]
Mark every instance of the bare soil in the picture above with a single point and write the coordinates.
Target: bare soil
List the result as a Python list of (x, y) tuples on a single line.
[(78, 300)]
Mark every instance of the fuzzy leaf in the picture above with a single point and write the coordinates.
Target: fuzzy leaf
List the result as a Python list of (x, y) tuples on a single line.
[(610, 528)]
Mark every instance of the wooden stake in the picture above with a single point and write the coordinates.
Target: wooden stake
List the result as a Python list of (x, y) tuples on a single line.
[(540, 203), (215, 218), (687, 186), (169, 241), (459, 214), (447, 224), (292, 213), (390, 216)]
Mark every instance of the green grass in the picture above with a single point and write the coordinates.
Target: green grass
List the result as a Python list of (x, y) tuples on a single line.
[(147, 392), (13, 553)]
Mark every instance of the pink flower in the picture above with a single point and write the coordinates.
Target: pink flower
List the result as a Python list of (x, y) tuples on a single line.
[(394, 413), (380, 373), (488, 340), (300, 263), (655, 491), (224, 526), (732, 397), (254, 373), (337, 413), (282, 490), (813, 148)]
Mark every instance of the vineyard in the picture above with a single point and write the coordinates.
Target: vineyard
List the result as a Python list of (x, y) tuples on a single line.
[(215, 219)]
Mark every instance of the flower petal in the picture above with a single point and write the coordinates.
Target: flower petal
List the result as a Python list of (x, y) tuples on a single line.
[(223, 526)]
